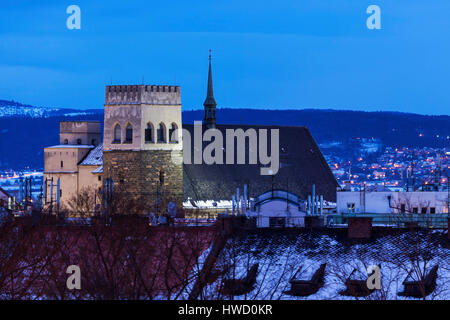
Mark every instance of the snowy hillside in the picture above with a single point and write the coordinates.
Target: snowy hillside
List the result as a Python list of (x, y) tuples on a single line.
[(12, 108), (17, 109)]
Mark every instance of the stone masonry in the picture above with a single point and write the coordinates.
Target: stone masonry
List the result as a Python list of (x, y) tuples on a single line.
[(147, 175)]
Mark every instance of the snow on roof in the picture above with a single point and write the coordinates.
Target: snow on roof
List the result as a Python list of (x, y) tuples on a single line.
[(281, 255), (76, 146), (94, 158), (98, 170), (221, 204)]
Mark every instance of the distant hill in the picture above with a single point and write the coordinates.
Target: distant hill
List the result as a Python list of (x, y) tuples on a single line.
[(25, 130), (11, 108), (393, 128)]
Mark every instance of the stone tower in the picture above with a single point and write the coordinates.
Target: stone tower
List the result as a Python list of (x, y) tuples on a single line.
[(142, 148), (210, 103)]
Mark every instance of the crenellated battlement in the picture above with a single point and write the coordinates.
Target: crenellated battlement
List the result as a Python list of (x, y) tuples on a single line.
[(147, 88), (142, 94)]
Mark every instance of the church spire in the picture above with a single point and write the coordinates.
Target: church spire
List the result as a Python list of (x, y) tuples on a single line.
[(210, 102)]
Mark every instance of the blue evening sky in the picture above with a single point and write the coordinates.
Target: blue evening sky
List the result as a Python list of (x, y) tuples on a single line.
[(266, 54)]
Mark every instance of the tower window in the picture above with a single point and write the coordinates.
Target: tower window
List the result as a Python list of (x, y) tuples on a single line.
[(149, 133), (66, 141), (62, 164), (129, 134), (162, 133), (117, 134), (78, 141), (94, 142), (172, 136)]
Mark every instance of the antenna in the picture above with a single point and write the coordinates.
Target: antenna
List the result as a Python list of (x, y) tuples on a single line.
[(439, 171), (413, 181)]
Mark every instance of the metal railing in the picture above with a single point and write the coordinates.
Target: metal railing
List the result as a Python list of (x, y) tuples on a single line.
[(400, 220)]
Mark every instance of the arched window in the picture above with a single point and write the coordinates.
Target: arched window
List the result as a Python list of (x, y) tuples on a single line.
[(173, 138), (78, 141), (66, 141), (161, 133), (149, 133), (117, 134), (129, 134)]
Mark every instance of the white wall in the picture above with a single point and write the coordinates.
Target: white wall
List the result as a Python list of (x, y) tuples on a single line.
[(279, 208), (378, 202), (138, 116)]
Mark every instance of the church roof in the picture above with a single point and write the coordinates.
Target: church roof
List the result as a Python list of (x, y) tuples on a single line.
[(94, 157), (301, 165), (4, 194), (98, 170)]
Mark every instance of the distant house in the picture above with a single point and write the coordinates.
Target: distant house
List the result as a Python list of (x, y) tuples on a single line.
[(4, 196), (279, 214), (386, 202)]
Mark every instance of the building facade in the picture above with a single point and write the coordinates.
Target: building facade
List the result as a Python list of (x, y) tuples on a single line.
[(64, 162), (392, 202), (142, 154), (142, 146)]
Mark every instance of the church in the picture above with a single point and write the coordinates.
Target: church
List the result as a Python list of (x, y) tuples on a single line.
[(144, 151)]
